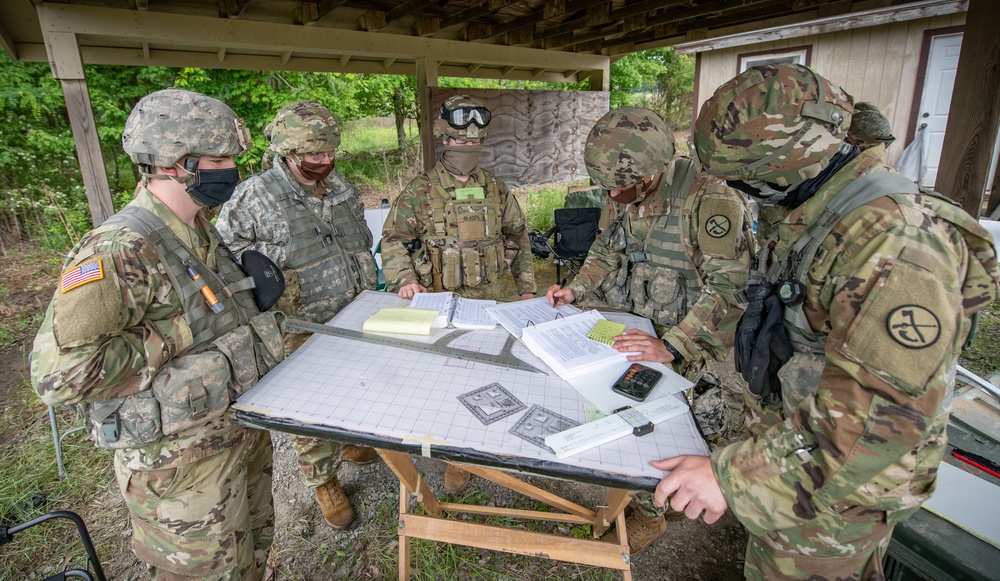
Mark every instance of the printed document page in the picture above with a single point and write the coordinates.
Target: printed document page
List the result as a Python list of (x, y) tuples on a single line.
[(517, 315), (564, 346), (443, 303), (472, 314)]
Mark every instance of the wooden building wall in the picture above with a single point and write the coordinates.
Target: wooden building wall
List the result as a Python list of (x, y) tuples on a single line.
[(536, 137), (878, 64)]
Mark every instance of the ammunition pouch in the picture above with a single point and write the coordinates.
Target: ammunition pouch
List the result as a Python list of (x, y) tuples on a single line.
[(436, 274), (367, 269), (189, 390), (659, 293), (269, 283)]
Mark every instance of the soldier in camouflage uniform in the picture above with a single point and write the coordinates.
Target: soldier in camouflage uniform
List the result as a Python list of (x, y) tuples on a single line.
[(870, 129), (306, 217), (131, 338), (457, 227), (674, 247), (858, 309)]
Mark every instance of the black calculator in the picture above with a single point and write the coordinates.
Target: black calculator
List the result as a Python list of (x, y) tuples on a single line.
[(637, 381)]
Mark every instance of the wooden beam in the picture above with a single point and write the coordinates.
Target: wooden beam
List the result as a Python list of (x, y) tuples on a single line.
[(232, 8), (427, 77), (403, 10), (145, 51), (371, 20), (313, 11), (601, 80), (477, 11), (344, 59), (474, 67), (811, 26), (285, 56), (388, 63), (521, 542), (139, 4), (524, 35), (8, 43), (221, 54), (185, 34), (507, 70), (974, 116), (426, 26)]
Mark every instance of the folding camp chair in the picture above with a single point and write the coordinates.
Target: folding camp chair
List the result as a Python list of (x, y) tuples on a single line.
[(575, 231), (92, 570)]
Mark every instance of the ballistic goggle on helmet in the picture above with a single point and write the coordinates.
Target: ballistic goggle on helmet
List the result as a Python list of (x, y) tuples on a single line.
[(776, 123), (170, 124), (462, 117)]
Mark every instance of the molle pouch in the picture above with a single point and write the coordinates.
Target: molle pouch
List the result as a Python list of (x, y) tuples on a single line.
[(451, 268), (472, 222), (658, 294), (124, 423), (422, 266), (192, 390), (270, 346), (238, 348), (615, 290), (470, 267), (496, 260), (290, 301), (616, 237), (366, 269)]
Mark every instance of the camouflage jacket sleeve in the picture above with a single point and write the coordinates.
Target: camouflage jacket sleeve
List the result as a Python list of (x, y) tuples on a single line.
[(402, 225), (601, 259), (718, 238), (886, 291), (242, 223), (517, 245), (106, 338)]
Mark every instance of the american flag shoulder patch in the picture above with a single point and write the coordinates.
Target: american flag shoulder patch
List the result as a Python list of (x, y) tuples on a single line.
[(81, 274)]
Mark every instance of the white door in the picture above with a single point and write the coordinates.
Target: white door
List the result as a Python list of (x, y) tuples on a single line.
[(938, 84)]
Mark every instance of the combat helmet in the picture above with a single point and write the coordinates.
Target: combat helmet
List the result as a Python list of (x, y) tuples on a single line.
[(303, 127), (627, 145), (462, 117), (169, 124), (777, 123), (869, 126)]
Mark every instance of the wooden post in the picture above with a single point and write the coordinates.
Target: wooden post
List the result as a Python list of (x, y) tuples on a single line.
[(427, 77), (974, 116), (67, 66), (600, 80)]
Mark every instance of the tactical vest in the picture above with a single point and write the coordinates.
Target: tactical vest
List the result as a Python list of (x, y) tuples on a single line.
[(655, 279), (806, 360), (232, 348), (332, 261), (464, 236)]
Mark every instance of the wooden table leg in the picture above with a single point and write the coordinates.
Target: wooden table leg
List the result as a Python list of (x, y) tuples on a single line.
[(404, 540), (614, 505)]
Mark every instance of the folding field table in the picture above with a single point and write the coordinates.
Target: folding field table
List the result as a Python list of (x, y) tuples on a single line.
[(480, 399)]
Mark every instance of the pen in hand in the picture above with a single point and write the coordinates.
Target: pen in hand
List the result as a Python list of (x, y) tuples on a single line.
[(555, 302)]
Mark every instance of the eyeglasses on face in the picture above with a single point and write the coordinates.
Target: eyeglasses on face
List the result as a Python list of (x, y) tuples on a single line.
[(317, 157)]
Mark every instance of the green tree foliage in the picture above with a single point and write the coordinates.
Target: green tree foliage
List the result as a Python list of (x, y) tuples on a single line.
[(658, 79)]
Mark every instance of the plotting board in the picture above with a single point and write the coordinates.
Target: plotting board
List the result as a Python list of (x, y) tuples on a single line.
[(412, 397)]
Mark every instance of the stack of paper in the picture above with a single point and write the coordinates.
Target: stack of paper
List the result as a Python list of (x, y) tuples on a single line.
[(456, 311), (401, 320), (563, 345)]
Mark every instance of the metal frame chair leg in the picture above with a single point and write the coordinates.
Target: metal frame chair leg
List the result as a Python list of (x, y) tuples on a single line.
[(57, 439)]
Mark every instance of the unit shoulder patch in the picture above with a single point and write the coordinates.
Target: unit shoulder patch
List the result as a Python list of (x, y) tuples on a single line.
[(913, 326)]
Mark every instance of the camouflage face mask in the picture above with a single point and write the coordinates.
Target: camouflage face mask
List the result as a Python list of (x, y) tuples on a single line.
[(460, 160)]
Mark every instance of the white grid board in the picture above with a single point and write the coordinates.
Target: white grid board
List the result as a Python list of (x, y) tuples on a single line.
[(393, 392)]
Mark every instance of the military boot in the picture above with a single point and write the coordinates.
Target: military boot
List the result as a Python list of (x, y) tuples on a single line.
[(643, 530), (335, 505), (455, 479), (358, 455)]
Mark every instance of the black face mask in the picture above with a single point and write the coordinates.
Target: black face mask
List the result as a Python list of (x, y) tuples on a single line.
[(214, 187)]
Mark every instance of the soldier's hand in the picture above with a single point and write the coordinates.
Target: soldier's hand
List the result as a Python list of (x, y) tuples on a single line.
[(407, 291), (649, 347), (691, 487), (564, 295)]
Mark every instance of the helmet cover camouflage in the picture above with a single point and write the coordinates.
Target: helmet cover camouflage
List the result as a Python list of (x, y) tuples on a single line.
[(778, 123), (166, 125), (443, 128), (303, 127), (627, 145), (869, 125)]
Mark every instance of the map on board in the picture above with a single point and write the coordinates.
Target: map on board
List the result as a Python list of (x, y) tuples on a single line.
[(378, 389)]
